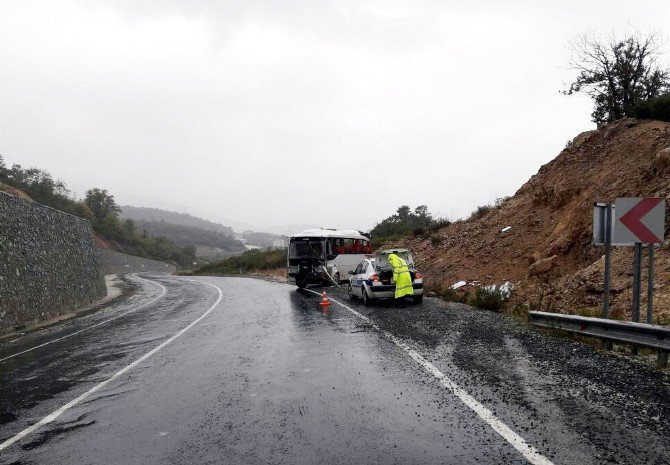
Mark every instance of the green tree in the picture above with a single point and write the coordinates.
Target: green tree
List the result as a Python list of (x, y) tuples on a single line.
[(82, 211), (129, 230), (402, 222), (101, 203), (617, 74)]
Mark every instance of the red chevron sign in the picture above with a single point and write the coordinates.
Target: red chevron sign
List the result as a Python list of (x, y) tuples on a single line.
[(639, 221)]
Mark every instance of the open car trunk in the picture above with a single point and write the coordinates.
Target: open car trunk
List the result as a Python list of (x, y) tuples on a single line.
[(384, 268)]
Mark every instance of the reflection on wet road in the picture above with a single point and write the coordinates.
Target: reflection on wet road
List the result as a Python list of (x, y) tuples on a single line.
[(261, 376)]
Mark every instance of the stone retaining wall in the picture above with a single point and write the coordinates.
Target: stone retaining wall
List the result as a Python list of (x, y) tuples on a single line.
[(119, 263), (48, 263)]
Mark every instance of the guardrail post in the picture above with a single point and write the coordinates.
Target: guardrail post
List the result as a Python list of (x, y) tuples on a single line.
[(662, 358), (650, 286), (635, 310), (608, 261), (637, 259)]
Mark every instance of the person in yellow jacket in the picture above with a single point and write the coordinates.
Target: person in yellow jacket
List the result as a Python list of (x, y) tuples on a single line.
[(401, 277)]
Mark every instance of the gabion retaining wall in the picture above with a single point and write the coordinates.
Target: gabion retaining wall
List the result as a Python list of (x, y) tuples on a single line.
[(119, 263), (48, 263)]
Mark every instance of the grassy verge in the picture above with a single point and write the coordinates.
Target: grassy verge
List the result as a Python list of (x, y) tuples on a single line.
[(249, 262)]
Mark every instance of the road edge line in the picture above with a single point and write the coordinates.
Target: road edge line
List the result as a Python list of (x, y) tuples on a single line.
[(56, 413), (529, 452), (96, 324)]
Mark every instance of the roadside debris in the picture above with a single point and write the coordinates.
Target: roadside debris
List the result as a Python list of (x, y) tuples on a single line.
[(505, 229), (505, 289), (458, 285)]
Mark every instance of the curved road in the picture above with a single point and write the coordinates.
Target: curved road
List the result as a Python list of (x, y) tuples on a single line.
[(235, 370)]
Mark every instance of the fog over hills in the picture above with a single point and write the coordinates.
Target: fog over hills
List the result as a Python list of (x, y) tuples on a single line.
[(212, 240), (182, 219)]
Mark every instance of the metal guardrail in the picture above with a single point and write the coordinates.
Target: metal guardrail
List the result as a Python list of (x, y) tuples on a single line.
[(637, 334)]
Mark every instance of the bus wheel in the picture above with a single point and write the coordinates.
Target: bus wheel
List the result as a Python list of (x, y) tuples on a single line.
[(301, 281), (336, 278)]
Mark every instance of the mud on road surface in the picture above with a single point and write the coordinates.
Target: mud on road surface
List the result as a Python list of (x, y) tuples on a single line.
[(567, 397)]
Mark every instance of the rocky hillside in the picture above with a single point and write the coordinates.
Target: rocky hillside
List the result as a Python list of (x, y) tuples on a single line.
[(540, 239)]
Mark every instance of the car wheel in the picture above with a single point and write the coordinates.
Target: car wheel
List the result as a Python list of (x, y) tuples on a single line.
[(367, 301), (350, 292), (418, 298)]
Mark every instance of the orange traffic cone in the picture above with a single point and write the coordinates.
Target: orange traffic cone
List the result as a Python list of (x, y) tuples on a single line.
[(325, 303)]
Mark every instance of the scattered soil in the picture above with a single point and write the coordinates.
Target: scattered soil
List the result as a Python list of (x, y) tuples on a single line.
[(102, 244), (14, 191), (550, 220)]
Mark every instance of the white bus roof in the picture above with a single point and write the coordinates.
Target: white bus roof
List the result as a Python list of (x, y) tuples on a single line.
[(346, 233)]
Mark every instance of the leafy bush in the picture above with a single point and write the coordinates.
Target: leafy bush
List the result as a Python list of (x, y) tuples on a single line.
[(447, 293), (480, 211), (519, 311), (501, 200), (656, 108), (436, 239), (488, 299), (436, 225), (249, 261)]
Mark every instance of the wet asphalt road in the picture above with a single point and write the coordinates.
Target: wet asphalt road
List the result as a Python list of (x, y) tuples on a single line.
[(266, 377)]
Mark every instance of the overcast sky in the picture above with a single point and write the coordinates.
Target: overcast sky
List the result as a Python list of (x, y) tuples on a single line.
[(330, 113)]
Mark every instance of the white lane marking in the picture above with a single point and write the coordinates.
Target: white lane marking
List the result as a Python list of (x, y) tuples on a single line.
[(55, 414), (94, 325), (527, 450)]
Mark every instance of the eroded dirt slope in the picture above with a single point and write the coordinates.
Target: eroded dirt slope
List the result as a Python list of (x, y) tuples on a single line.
[(547, 253)]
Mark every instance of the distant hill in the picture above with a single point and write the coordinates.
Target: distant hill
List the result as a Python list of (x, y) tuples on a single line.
[(211, 240), (182, 219), (264, 240), (187, 235)]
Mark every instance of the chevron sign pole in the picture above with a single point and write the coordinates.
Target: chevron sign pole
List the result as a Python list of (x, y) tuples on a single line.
[(640, 221)]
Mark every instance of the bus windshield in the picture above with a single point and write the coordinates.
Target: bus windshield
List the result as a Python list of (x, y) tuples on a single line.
[(305, 248)]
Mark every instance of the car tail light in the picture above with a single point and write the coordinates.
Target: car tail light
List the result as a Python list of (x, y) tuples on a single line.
[(374, 278), (417, 275)]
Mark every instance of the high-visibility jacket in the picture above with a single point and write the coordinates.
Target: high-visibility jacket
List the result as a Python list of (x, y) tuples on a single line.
[(401, 276)]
